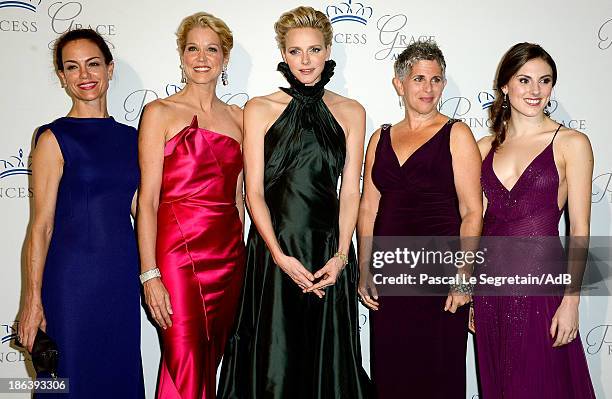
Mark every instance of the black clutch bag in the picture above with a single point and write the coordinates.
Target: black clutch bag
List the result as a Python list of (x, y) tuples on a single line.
[(44, 353)]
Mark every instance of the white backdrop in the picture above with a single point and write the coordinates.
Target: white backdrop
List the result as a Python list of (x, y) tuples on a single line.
[(473, 35)]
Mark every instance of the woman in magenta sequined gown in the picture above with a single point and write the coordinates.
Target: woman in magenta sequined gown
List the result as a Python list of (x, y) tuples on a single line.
[(191, 162), (528, 346)]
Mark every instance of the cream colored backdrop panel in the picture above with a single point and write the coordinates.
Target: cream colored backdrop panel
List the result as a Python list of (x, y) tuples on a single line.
[(473, 35)]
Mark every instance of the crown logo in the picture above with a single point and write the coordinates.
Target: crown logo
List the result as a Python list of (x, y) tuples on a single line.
[(21, 4), (14, 165), (349, 11), (485, 99), (10, 333)]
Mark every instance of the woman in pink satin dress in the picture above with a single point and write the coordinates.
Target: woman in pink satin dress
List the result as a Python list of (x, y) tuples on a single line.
[(191, 213)]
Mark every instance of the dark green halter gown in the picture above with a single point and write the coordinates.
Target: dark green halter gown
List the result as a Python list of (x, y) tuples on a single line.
[(288, 344)]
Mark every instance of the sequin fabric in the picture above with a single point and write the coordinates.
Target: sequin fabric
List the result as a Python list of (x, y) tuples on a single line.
[(516, 359)]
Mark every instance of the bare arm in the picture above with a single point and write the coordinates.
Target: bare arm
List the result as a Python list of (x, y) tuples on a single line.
[(578, 156), (151, 141), (466, 172), (349, 192), (256, 113), (578, 159), (47, 170), (368, 208), (349, 188), (134, 205), (240, 198), (484, 146), (253, 152), (238, 115)]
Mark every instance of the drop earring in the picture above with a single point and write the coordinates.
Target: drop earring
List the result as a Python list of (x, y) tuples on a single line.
[(183, 78), (505, 102), (399, 100), (224, 76)]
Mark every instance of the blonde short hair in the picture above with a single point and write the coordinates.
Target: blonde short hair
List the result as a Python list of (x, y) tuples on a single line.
[(205, 20), (303, 17)]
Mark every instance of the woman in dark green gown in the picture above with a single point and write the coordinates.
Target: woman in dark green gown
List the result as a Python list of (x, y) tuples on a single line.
[(297, 333)]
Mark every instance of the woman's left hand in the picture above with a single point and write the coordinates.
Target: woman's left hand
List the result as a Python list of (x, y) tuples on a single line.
[(564, 324), (328, 274), (455, 299)]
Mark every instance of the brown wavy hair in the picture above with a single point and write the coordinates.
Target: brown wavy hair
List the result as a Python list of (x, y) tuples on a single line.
[(511, 62)]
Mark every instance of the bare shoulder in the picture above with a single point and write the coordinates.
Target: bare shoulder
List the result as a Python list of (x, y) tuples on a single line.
[(462, 131), (343, 104), (573, 137), (268, 103), (573, 142), (48, 146), (263, 111), (374, 138), (485, 144), (157, 109), (46, 139)]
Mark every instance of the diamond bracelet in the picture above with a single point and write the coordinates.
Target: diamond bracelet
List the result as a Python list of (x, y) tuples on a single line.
[(149, 274)]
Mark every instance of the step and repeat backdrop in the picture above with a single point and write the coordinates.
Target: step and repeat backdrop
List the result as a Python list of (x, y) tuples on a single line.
[(368, 35)]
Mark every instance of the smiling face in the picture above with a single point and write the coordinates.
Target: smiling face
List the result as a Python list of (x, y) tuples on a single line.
[(202, 58), (422, 88), (305, 53), (85, 75), (530, 88)]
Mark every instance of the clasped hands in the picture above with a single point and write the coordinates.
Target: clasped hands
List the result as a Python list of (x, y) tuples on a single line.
[(308, 282)]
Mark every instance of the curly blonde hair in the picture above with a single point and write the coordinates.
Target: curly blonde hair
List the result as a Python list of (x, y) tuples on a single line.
[(303, 17), (205, 20)]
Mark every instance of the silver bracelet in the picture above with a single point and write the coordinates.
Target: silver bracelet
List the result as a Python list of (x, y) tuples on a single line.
[(462, 288), (149, 274)]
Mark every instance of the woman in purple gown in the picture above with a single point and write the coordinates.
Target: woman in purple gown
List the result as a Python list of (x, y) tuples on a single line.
[(421, 179), (529, 346)]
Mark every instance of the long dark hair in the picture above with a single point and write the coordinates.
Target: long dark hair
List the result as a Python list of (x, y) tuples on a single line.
[(79, 34), (512, 61)]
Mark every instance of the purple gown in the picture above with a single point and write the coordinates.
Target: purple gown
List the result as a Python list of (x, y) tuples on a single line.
[(516, 359), (417, 349)]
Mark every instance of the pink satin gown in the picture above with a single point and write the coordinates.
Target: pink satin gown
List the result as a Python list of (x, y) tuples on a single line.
[(200, 254)]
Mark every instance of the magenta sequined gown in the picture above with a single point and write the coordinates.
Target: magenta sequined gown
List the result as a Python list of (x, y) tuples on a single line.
[(516, 359)]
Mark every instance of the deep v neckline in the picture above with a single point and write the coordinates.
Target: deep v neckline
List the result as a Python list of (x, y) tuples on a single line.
[(397, 160), (522, 174), (518, 180)]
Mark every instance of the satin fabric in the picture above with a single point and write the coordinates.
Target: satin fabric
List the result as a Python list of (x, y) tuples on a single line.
[(200, 254), (516, 359), (417, 349), (288, 344), (90, 287)]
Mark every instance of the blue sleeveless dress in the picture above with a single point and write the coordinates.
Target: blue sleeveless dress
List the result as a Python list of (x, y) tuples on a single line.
[(90, 289)]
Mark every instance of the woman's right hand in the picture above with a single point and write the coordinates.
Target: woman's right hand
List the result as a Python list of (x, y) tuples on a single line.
[(298, 273), (367, 291), (158, 301), (32, 318)]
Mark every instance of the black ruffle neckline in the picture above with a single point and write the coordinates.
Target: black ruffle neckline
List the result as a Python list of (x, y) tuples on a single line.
[(299, 90)]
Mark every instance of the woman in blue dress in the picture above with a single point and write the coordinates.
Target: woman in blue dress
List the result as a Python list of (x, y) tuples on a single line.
[(82, 263)]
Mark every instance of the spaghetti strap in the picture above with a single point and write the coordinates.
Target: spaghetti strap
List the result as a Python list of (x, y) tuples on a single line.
[(385, 128), (556, 131)]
